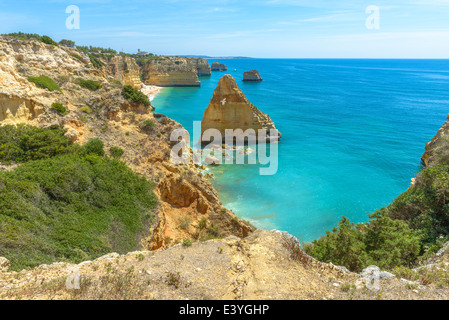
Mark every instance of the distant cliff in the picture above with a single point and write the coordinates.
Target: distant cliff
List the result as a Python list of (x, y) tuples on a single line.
[(175, 72)]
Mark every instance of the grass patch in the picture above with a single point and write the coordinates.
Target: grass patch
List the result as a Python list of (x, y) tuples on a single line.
[(89, 84), (45, 82)]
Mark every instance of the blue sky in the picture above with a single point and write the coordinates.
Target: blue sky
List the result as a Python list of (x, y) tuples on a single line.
[(262, 28)]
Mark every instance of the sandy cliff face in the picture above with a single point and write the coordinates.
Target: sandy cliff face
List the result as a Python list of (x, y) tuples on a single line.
[(20, 100), (186, 196), (172, 72), (438, 141), (126, 70), (230, 109), (203, 67)]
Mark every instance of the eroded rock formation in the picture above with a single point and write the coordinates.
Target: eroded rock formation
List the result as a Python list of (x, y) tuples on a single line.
[(218, 66), (230, 109), (126, 70), (440, 140), (174, 72), (252, 75)]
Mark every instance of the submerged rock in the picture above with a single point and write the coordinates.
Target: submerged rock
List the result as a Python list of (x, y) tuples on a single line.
[(252, 75), (230, 109)]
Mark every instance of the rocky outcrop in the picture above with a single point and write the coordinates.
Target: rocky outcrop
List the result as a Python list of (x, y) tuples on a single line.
[(172, 72), (259, 267), (202, 67), (4, 264), (230, 109), (21, 100), (218, 66), (252, 75), (126, 70), (439, 141)]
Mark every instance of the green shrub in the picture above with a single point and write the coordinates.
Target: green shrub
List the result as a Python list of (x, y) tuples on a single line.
[(147, 125), (116, 152), (384, 242), (135, 96), (23, 36), (77, 56), (23, 143), (48, 40), (86, 109), (45, 82), (185, 222), (59, 107), (203, 223), (67, 43), (89, 84), (72, 208), (94, 146), (187, 242), (96, 62)]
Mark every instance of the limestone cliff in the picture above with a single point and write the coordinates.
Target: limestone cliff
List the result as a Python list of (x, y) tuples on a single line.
[(126, 70), (218, 66), (175, 72), (252, 75), (203, 67), (440, 140), (186, 196), (230, 109)]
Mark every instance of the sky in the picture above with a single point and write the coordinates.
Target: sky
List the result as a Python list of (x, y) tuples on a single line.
[(260, 29)]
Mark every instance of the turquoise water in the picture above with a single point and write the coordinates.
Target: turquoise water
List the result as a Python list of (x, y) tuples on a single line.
[(353, 132)]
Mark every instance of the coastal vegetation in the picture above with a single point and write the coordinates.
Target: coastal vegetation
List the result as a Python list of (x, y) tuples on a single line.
[(59, 108), (89, 84), (31, 36), (408, 231), (65, 202), (135, 96), (45, 82)]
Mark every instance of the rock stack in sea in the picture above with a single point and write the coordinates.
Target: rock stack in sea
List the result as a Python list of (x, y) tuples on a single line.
[(202, 67), (218, 66), (252, 75), (230, 109)]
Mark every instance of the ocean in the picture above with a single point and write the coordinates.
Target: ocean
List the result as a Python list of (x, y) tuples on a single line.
[(353, 133)]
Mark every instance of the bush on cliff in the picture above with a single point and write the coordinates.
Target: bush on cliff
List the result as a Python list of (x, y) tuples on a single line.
[(71, 208), (45, 82), (71, 204), (409, 230), (384, 242), (135, 96), (59, 108), (93, 146), (23, 143), (48, 40), (89, 84)]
